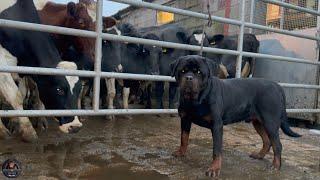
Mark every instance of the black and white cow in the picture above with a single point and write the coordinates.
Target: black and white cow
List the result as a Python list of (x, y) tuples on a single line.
[(138, 59), (250, 44), (31, 48)]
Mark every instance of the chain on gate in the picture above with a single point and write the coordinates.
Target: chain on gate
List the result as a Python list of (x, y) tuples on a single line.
[(208, 24)]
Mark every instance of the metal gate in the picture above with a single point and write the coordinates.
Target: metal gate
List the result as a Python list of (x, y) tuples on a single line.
[(99, 36)]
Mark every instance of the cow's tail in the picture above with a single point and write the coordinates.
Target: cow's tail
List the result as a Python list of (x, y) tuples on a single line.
[(284, 119)]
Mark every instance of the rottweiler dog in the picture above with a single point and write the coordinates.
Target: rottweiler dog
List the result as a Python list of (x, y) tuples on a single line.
[(210, 102)]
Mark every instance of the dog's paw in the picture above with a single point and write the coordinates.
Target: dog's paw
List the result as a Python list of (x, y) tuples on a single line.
[(179, 153), (256, 155), (213, 172)]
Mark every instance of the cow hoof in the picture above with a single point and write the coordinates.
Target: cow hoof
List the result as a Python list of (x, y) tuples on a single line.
[(42, 125), (4, 133), (28, 134), (128, 117), (110, 117)]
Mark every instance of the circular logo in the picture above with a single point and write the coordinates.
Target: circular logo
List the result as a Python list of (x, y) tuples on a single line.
[(11, 168)]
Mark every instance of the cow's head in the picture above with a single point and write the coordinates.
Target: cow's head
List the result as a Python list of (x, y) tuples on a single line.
[(196, 39), (78, 17), (111, 50), (151, 55), (62, 92)]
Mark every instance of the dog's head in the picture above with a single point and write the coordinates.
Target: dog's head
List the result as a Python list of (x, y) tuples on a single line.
[(192, 73)]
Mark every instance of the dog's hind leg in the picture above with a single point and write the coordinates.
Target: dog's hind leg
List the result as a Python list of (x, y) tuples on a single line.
[(273, 134), (265, 139)]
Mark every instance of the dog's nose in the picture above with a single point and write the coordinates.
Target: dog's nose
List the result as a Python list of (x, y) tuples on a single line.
[(189, 78)]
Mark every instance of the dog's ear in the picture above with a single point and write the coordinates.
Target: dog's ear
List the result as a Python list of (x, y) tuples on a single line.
[(211, 66), (174, 66)]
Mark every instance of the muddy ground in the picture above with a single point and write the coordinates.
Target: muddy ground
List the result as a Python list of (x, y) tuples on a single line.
[(141, 148)]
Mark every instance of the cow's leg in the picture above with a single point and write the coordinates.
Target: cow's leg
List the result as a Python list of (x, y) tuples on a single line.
[(148, 93), (4, 133), (11, 93), (159, 94), (32, 101), (84, 101), (252, 65), (172, 96), (125, 96), (111, 87), (246, 70)]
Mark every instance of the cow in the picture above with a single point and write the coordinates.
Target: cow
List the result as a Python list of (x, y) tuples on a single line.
[(138, 59), (36, 49), (250, 44), (176, 34)]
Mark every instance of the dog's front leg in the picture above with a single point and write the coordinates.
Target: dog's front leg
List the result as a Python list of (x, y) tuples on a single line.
[(217, 133), (185, 131)]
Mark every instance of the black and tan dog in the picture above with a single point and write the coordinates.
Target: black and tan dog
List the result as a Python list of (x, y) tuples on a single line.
[(210, 102)]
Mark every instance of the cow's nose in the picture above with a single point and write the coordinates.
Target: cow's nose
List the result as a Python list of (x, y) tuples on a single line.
[(74, 129), (189, 78)]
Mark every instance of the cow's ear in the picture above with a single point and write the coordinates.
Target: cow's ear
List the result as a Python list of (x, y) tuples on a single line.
[(71, 9), (109, 22), (216, 39), (182, 36)]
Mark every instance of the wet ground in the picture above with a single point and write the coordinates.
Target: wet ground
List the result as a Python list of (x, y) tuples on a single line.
[(141, 148)]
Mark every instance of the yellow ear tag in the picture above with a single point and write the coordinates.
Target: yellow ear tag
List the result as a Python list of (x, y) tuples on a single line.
[(164, 50)]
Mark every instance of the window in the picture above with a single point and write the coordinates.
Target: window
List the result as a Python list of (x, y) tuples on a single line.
[(164, 17)]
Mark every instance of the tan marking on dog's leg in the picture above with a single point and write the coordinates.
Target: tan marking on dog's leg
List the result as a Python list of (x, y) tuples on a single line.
[(214, 170), (265, 139), (183, 146), (246, 70), (125, 95)]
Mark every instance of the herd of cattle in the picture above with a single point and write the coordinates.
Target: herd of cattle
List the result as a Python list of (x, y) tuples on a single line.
[(38, 49)]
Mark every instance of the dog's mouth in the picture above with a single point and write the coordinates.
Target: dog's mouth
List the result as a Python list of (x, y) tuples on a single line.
[(189, 94)]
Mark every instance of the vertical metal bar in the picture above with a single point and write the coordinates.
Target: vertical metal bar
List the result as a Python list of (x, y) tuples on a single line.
[(281, 16), (252, 13), (240, 40), (98, 51), (317, 102)]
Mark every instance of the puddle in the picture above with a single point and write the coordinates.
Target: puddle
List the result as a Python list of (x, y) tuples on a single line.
[(141, 149)]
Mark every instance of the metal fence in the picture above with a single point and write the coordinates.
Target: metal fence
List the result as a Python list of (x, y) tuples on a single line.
[(97, 74)]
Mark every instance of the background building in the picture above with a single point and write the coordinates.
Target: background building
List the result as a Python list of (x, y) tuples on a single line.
[(263, 13)]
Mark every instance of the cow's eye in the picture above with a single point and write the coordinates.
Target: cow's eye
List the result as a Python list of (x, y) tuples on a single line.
[(182, 71), (60, 91), (199, 72)]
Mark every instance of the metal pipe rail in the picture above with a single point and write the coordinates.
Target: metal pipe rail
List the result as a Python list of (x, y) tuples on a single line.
[(103, 112), (97, 74)]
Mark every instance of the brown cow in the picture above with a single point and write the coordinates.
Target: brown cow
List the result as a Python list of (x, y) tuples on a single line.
[(72, 15)]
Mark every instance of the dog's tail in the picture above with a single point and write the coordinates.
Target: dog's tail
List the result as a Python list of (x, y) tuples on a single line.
[(284, 119), (286, 129)]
